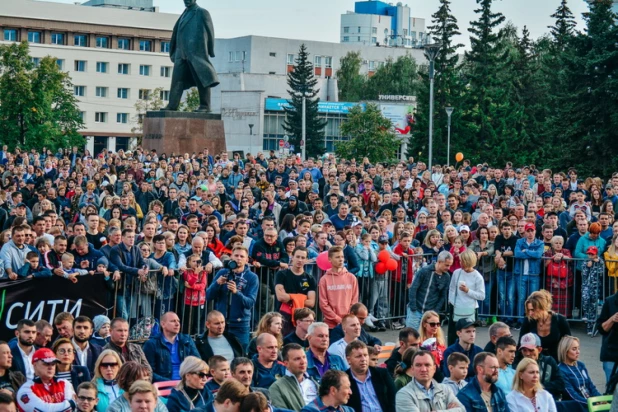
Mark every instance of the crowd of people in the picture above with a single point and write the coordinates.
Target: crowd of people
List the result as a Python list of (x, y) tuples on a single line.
[(262, 269)]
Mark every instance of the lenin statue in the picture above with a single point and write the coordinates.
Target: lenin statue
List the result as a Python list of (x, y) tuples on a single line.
[(192, 45)]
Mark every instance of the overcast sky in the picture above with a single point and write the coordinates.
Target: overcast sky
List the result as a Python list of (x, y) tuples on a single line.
[(319, 19)]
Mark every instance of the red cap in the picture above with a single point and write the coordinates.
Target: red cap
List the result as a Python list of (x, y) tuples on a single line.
[(529, 226), (44, 354), (592, 250)]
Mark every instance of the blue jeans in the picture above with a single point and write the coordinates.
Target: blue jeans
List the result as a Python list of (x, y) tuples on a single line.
[(241, 332), (608, 368), (413, 319), (506, 294), (525, 284), (485, 307)]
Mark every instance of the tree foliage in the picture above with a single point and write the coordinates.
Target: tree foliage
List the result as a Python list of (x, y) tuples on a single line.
[(37, 104), (370, 135), (302, 81), (151, 102), (191, 102)]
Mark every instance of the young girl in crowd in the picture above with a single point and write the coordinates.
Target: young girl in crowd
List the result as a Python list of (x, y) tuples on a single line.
[(456, 250), (195, 278)]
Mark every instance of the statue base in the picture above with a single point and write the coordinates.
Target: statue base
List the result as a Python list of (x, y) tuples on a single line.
[(183, 132)]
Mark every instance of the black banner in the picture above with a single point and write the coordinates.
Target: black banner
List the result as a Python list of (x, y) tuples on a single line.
[(37, 299)]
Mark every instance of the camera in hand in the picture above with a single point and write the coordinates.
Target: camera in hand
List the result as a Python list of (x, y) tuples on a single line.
[(230, 264)]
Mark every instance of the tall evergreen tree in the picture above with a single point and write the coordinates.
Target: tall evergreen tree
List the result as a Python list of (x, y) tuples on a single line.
[(301, 81), (447, 89), (484, 91), (563, 30)]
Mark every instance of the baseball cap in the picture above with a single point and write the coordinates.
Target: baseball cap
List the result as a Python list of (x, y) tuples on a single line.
[(530, 341), (464, 323), (383, 239), (206, 204), (204, 188), (326, 221), (464, 227), (292, 198), (316, 191), (357, 223), (228, 222), (22, 204), (592, 250), (529, 226), (30, 182), (44, 354)]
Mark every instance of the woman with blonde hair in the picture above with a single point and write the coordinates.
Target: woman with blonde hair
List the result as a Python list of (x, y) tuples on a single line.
[(577, 382), (528, 394), (432, 337), (542, 321), (191, 392), (106, 370), (272, 323)]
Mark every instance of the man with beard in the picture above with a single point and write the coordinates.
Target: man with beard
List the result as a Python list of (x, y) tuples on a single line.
[(9, 380), (23, 349), (482, 389), (86, 354)]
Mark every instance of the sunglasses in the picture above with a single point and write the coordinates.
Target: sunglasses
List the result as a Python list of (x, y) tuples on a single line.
[(86, 398), (109, 365), (433, 324), (202, 375)]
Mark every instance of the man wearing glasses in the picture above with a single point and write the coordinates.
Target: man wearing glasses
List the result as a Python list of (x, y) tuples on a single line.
[(482, 389), (87, 398)]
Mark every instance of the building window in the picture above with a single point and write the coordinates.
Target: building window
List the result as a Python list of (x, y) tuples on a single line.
[(102, 67), (123, 68), (165, 95), (101, 91), (290, 59), (240, 56), (144, 70), (82, 115), (35, 61), (359, 29), (80, 65), (100, 117), (124, 44), (413, 35), (79, 91), (10, 35), (145, 45), (230, 57), (57, 38), (374, 30), (60, 64), (80, 40), (34, 36), (272, 54), (358, 39), (317, 61), (123, 93), (372, 65), (346, 39), (166, 71), (102, 42), (144, 94), (374, 39), (328, 61), (165, 47), (122, 117), (346, 30)]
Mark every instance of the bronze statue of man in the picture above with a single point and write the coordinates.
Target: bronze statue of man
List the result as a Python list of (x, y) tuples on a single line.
[(192, 45)]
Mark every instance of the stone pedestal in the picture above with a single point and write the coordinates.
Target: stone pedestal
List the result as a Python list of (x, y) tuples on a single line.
[(183, 132)]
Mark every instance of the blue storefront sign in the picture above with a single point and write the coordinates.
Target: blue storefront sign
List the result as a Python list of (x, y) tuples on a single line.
[(278, 105)]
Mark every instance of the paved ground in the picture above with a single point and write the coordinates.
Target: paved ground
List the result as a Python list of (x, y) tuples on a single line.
[(590, 349)]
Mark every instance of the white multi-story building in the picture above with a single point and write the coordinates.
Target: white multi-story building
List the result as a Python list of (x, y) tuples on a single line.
[(376, 23), (116, 52)]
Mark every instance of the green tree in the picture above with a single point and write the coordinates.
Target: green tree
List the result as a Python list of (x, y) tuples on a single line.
[(152, 101), (447, 90), (301, 81), (399, 77), (562, 32), (351, 83), (37, 105), (191, 102), (370, 135)]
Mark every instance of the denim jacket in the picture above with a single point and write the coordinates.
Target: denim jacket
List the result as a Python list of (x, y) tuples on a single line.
[(335, 362), (160, 358), (532, 252), (470, 398)]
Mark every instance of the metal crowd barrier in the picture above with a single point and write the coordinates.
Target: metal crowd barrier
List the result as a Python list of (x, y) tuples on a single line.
[(576, 294)]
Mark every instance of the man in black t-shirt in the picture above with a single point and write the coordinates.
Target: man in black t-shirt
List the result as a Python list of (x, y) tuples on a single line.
[(303, 317), (294, 281), (505, 248)]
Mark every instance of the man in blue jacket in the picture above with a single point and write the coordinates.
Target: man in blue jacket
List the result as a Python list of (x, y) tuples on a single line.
[(234, 292), (318, 359), (166, 351), (527, 270), (466, 336), (472, 396)]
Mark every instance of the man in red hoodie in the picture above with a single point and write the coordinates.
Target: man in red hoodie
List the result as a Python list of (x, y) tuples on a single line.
[(338, 289)]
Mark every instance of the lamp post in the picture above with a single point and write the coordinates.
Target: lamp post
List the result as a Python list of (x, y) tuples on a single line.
[(250, 137), (431, 53), (303, 145), (449, 112)]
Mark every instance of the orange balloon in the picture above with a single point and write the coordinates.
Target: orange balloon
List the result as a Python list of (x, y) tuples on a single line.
[(459, 157)]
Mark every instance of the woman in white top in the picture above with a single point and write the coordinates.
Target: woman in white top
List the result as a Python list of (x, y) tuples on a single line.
[(528, 394), (466, 290)]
